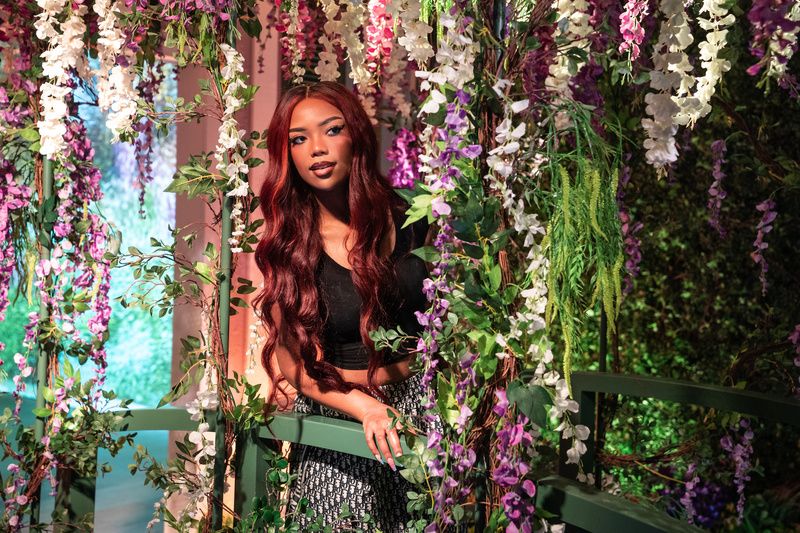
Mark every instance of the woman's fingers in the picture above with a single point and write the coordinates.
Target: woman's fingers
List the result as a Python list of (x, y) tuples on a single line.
[(370, 436), (394, 440), (384, 448)]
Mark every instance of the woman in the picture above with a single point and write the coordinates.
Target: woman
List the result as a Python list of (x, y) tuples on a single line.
[(337, 265)]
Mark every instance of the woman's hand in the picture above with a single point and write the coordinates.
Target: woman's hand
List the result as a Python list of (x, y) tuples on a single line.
[(378, 428)]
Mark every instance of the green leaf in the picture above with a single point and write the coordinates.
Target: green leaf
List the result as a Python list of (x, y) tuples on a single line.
[(47, 392), (29, 134), (41, 412), (429, 254), (531, 400)]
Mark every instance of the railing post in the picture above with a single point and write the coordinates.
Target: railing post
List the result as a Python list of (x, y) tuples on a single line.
[(75, 501), (224, 317), (251, 471), (42, 357)]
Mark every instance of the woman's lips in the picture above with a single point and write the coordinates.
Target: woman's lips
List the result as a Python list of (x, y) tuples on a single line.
[(324, 171)]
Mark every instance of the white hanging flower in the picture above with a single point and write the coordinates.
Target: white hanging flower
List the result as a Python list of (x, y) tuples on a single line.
[(114, 82), (415, 32), (230, 143), (696, 106), (328, 67), (65, 52), (671, 73)]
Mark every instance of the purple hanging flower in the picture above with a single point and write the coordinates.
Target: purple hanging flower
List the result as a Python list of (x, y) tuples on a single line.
[(740, 453), (767, 207), (13, 198), (630, 27), (404, 155), (716, 193), (630, 232)]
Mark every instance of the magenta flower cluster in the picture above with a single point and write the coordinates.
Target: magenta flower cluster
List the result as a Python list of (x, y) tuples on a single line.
[(303, 43), (740, 451), (767, 19), (404, 155), (631, 28), (510, 471), (767, 208), (715, 192), (14, 197)]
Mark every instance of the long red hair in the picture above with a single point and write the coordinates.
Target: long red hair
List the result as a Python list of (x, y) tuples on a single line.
[(289, 252)]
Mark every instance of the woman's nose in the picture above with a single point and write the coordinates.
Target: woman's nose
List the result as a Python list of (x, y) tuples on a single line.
[(319, 148)]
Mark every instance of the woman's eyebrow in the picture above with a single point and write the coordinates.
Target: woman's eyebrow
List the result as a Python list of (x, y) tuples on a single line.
[(319, 125)]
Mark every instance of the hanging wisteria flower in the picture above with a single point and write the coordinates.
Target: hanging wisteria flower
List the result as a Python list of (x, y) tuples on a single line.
[(404, 155), (630, 27), (230, 146), (697, 105), (328, 66), (767, 207), (415, 32), (14, 197), (670, 74), (573, 29), (775, 26), (740, 453), (378, 36), (716, 193), (115, 75), (65, 52)]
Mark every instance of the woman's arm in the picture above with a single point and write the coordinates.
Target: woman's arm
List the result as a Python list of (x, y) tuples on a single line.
[(356, 404)]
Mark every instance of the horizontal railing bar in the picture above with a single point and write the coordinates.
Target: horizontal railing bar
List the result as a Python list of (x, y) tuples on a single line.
[(163, 419), (599, 512), (312, 430), (768, 406), (320, 431)]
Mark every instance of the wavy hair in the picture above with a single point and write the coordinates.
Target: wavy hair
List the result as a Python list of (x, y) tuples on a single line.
[(289, 251)]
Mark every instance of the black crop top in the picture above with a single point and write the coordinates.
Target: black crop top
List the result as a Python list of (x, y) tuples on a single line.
[(340, 303)]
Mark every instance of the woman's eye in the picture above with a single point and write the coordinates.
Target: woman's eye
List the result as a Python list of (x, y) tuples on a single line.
[(296, 140), (336, 130)]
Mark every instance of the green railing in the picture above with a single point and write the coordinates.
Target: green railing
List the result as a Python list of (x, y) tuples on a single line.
[(576, 504)]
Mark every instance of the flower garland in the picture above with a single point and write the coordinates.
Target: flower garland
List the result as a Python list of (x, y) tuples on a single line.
[(698, 105), (404, 155), (230, 143), (328, 66), (716, 193), (775, 26), (670, 73), (455, 58), (767, 207), (415, 33), (630, 231), (740, 453), (295, 40), (13, 199), (395, 84), (65, 52), (115, 76), (575, 30), (631, 29)]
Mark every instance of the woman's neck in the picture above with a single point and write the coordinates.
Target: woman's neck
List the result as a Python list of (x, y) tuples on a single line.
[(333, 207)]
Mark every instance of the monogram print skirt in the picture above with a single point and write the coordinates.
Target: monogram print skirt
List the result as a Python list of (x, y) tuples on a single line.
[(329, 479)]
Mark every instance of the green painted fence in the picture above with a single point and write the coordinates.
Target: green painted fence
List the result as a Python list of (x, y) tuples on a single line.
[(580, 506)]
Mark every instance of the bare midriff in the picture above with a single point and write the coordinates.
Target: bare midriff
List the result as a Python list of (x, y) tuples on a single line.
[(392, 373)]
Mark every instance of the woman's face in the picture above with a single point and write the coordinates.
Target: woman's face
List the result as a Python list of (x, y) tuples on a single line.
[(320, 145)]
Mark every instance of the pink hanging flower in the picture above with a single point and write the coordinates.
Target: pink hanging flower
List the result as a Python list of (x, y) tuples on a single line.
[(630, 27), (379, 35)]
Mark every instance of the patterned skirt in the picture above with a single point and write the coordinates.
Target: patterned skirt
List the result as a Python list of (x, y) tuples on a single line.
[(330, 480)]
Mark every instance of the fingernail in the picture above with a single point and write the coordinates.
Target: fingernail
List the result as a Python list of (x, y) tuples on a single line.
[(379, 458), (391, 465)]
